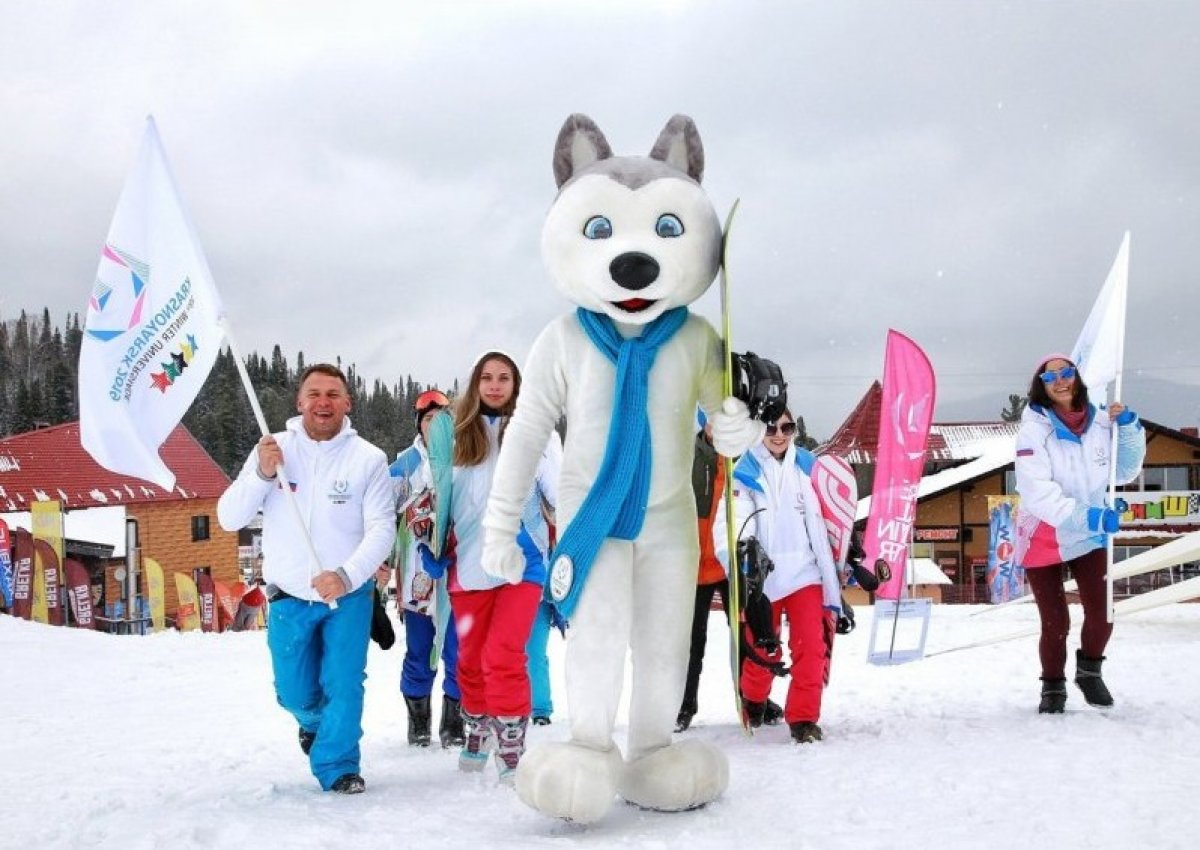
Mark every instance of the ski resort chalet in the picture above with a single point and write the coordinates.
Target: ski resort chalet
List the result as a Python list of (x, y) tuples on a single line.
[(969, 462), (178, 528)]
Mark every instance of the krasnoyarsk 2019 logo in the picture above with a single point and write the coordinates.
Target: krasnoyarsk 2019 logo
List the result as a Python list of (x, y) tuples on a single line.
[(118, 296)]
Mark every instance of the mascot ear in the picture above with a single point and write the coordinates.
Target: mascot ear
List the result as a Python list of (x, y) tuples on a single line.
[(580, 143), (679, 146)]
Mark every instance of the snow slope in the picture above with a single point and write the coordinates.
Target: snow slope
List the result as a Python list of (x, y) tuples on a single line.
[(174, 740)]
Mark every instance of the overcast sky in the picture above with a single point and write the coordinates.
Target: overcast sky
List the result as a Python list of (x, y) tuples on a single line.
[(370, 179)]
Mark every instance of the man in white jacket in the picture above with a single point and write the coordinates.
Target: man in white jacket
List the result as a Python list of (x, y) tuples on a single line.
[(344, 493)]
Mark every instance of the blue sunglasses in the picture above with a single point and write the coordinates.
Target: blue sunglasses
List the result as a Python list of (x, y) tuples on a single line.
[(1067, 373)]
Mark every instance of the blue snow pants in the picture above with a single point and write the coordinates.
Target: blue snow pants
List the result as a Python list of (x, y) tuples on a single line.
[(416, 676), (319, 656), (539, 663)]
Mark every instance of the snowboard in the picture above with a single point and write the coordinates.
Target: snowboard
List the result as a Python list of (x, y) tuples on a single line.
[(735, 602), (837, 492), (440, 446)]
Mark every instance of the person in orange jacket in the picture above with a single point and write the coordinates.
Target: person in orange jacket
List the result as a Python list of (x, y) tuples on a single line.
[(708, 482)]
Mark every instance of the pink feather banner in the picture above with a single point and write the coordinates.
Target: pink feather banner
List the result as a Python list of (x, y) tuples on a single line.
[(906, 412)]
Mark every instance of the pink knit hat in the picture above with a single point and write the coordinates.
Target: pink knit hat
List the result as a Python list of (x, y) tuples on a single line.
[(1055, 355)]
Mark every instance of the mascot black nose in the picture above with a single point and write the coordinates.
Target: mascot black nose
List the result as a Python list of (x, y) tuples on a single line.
[(634, 270)]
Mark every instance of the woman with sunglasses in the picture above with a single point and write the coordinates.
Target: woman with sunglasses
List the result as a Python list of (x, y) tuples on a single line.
[(775, 503), (1063, 466), (417, 592), (494, 618)]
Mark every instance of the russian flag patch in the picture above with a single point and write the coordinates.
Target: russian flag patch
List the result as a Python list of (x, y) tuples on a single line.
[(1024, 452)]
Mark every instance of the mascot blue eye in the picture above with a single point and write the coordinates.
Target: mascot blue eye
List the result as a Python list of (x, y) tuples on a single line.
[(668, 226), (597, 227)]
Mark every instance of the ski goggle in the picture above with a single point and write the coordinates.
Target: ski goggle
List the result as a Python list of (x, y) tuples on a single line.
[(1050, 375), (787, 429), (430, 398)]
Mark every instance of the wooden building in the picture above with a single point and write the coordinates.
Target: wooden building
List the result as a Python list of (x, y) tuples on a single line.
[(968, 462), (178, 528)]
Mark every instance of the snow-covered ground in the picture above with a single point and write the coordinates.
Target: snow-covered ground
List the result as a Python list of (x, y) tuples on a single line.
[(174, 741)]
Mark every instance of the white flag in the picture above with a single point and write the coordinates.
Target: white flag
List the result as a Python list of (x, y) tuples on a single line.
[(1101, 345), (153, 324)]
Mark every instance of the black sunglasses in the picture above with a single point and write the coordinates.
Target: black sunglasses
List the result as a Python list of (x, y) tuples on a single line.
[(787, 429)]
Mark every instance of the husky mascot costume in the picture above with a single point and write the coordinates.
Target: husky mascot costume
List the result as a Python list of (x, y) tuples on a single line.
[(631, 241)]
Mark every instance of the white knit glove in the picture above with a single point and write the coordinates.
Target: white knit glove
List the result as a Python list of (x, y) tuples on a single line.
[(733, 431), (502, 557)]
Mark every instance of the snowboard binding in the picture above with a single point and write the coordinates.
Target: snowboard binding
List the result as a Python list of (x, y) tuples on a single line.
[(759, 383)]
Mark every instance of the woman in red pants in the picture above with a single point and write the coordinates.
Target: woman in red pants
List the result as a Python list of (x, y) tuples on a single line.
[(776, 504)]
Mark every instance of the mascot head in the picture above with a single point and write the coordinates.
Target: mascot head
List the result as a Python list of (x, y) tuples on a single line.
[(631, 236)]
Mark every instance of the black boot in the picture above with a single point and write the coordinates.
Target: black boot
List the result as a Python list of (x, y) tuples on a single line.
[(755, 711), (772, 714), (450, 729), (1054, 696), (1087, 677), (419, 721)]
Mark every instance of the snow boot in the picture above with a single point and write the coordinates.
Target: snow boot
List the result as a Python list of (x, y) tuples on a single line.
[(541, 720), (450, 729), (755, 711), (772, 713), (477, 729), (1054, 696), (419, 721), (684, 720), (805, 732), (349, 783), (1087, 677), (306, 740), (510, 745)]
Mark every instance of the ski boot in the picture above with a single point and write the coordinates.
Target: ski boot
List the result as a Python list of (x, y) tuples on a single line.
[(477, 729), (805, 732), (1087, 677), (419, 721), (541, 720), (1054, 696), (450, 728), (755, 712), (510, 745), (684, 721)]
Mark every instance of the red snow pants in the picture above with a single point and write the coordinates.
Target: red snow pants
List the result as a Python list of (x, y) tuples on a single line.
[(809, 641), (493, 627)]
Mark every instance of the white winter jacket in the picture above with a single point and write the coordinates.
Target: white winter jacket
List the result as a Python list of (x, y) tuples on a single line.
[(345, 498), (1060, 476), (789, 526)]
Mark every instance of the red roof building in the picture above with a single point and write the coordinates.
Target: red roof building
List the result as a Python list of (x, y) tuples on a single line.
[(177, 528)]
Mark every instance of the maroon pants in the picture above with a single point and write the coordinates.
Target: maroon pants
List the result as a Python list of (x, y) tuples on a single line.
[(809, 640), (1047, 585), (493, 628)]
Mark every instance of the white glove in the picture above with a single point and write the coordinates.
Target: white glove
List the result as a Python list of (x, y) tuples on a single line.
[(733, 431), (502, 557)]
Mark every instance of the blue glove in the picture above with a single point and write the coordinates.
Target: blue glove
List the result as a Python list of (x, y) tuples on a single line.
[(1126, 417), (434, 566), (1103, 519)]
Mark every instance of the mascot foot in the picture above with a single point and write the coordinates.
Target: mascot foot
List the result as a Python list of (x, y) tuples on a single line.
[(675, 778), (569, 781)]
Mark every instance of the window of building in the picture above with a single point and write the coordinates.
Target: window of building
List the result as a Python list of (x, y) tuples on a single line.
[(1165, 478), (199, 528), (1010, 482)]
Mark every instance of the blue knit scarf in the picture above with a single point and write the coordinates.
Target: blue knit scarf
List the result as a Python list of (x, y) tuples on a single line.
[(616, 503)]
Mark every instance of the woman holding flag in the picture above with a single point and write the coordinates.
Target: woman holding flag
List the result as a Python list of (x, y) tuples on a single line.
[(1063, 469)]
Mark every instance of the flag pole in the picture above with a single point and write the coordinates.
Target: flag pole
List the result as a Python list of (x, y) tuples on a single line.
[(315, 565), (1110, 603)]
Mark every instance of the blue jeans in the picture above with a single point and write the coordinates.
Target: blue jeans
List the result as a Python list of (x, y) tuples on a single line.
[(539, 663), (416, 675), (319, 656)]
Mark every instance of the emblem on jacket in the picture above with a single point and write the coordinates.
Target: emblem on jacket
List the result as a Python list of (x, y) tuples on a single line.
[(339, 493)]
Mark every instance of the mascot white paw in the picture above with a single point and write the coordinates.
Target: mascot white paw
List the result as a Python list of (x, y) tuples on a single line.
[(733, 431), (676, 778), (502, 557), (569, 781)]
